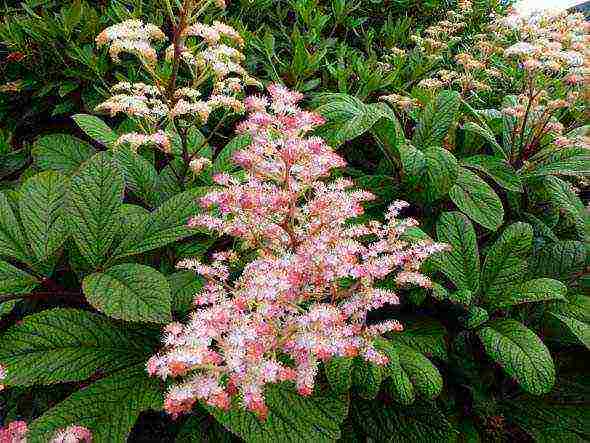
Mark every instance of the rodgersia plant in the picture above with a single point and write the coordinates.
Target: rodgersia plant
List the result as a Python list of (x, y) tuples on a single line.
[(199, 72), (305, 296)]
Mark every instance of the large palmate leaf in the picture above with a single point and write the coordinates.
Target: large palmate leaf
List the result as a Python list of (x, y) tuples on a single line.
[(521, 353), (439, 175), (61, 152), (291, 417), (130, 292), (12, 239), (461, 263), (165, 225), (61, 345), (477, 200), (96, 129), (497, 169), (108, 407), (536, 290), (505, 262), (42, 212), (94, 200), (15, 281), (422, 422), (436, 120)]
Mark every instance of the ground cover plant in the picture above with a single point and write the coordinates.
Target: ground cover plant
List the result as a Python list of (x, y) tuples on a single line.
[(293, 221)]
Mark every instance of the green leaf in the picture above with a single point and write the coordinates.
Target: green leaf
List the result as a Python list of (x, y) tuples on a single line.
[(477, 200), (165, 225), (475, 317), (366, 378), (7, 307), (61, 152), (413, 162), (521, 353), (397, 383), (339, 374), (108, 407), (15, 281), (140, 176), (497, 169), (573, 161), (183, 287), (12, 240), (425, 377), (348, 117), (540, 289), (94, 201), (317, 419), (505, 263), (461, 263), (63, 345), (564, 198), (42, 211), (421, 422), (424, 335), (96, 129), (223, 161), (487, 134), (130, 292), (436, 120), (578, 328), (563, 260), (440, 173)]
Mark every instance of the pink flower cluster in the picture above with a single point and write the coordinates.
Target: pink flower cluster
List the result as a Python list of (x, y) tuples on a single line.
[(305, 297), (16, 432)]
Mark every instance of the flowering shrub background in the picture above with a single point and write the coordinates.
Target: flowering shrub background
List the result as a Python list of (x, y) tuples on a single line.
[(293, 221)]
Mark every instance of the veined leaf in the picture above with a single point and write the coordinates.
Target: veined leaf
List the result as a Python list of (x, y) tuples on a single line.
[(578, 328), (42, 212), (475, 317), (497, 169), (223, 161), (12, 240), (165, 225), (521, 353), (440, 173), (461, 263), (366, 378), (140, 176), (421, 422), (564, 198), (413, 162), (130, 292), (424, 335), (540, 289), (63, 345), (108, 407), (339, 374), (61, 152), (96, 129), (563, 260), (183, 287), (94, 201), (505, 263), (318, 418), (15, 281), (436, 120), (487, 135), (477, 200)]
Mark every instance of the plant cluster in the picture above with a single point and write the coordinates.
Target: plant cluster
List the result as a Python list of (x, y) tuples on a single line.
[(294, 221)]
